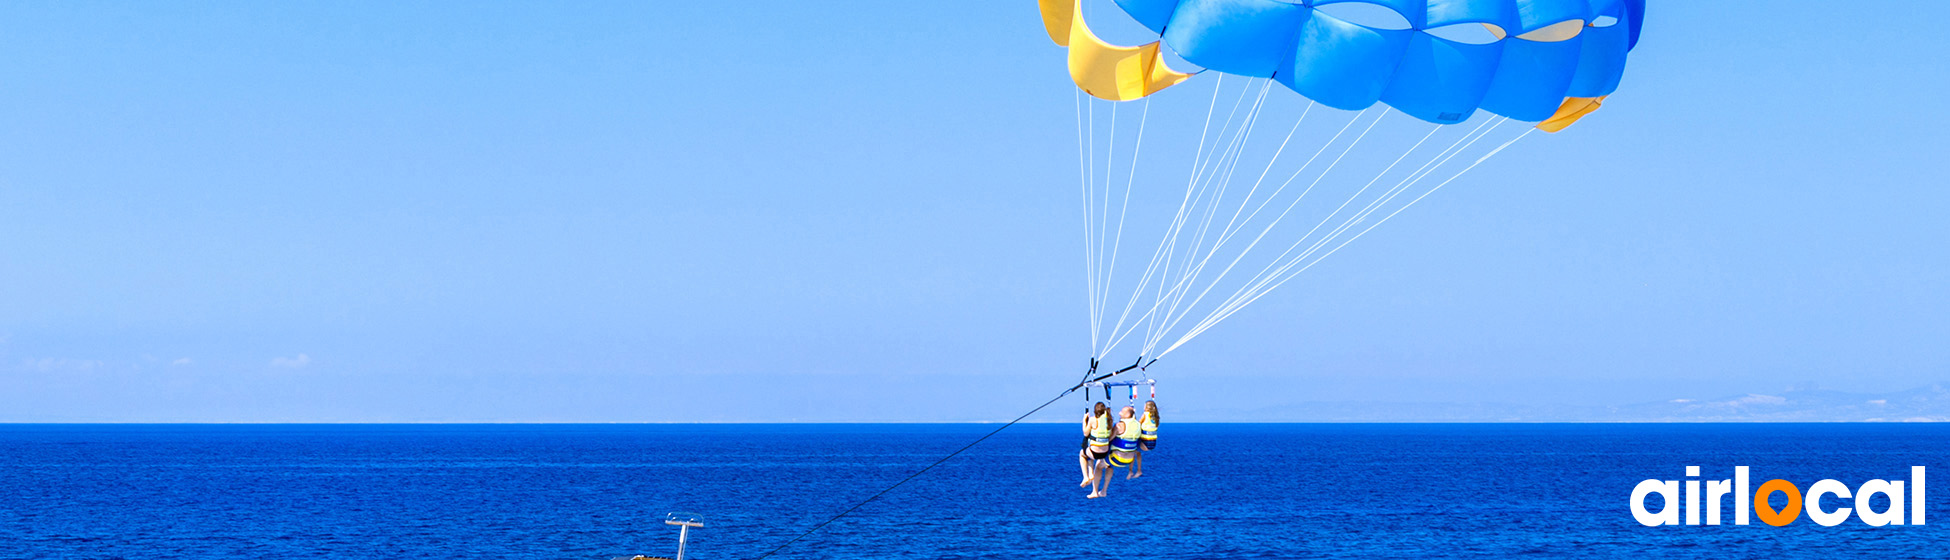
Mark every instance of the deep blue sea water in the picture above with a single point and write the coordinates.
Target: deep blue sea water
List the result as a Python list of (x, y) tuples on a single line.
[(349, 492)]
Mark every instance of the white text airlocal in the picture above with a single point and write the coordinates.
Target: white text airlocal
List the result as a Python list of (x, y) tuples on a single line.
[(1743, 495)]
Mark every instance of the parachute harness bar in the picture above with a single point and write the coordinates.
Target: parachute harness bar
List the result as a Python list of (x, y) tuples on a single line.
[(1131, 394), (1088, 382)]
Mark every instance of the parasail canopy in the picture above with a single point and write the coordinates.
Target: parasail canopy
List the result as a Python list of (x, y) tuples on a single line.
[(1551, 61), (1547, 62)]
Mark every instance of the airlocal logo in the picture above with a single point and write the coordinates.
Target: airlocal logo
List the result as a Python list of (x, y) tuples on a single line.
[(1717, 490)]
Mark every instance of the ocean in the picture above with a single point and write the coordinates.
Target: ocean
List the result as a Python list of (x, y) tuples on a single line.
[(551, 491)]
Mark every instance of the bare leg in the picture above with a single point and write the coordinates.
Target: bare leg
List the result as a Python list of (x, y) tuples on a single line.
[(1137, 467), (1108, 473), (1083, 462), (1099, 479)]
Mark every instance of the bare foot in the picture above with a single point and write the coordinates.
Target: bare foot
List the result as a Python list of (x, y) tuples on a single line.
[(1086, 482), (1094, 495)]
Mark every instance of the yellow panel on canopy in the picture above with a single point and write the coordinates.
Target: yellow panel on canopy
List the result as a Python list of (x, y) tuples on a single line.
[(1574, 108), (1103, 70)]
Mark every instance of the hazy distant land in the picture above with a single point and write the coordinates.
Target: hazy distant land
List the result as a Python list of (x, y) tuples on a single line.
[(1922, 404)]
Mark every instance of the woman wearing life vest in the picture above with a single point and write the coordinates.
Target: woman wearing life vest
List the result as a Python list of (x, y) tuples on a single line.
[(1096, 444), (1147, 437), (1123, 449)]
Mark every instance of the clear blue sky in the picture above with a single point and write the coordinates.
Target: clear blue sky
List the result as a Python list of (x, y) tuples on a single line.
[(249, 211)]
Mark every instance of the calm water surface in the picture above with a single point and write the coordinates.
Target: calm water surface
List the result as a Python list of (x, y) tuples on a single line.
[(1419, 491)]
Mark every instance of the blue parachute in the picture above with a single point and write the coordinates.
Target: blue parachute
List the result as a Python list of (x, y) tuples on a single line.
[(1550, 58)]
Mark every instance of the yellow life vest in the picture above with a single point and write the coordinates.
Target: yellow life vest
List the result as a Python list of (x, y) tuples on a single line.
[(1148, 428), (1128, 431), (1100, 430)]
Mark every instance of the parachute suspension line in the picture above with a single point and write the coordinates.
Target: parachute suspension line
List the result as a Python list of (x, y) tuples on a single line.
[(1201, 178), (1117, 239), (1151, 268), (1236, 151), (1231, 167), (1151, 324), (1083, 167), (1174, 233), (1337, 248), (1227, 233), (1094, 219), (1281, 264), (1479, 161), (1169, 323), (1276, 221), (1204, 158), (1103, 219), (1296, 174), (1152, 312), (1195, 194), (1205, 168), (1225, 166), (1226, 161), (1197, 153), (1276, 266), (1303, 168)]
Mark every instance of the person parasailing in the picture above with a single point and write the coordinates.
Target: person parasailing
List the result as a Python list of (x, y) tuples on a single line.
[(1147, 437), (1096, 444), (1123, 449)]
